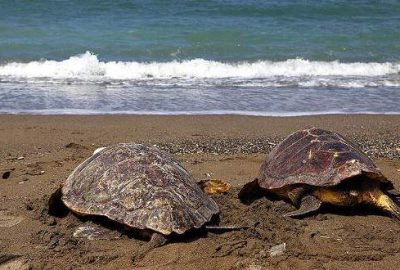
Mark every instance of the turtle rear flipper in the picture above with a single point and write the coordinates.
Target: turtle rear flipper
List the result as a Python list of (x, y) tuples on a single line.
[(393, 192), (308, 205), (225, 228), (394, 208), (394, 195), (387, 203)]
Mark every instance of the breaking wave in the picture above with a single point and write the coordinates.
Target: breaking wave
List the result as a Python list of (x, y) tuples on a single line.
[(87, 66)]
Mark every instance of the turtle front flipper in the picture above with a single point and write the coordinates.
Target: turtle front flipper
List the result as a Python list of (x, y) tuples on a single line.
[(157, 240), (296, 194), (308, 204)]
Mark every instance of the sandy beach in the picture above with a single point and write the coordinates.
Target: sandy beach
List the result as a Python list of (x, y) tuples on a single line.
[(38, 153)]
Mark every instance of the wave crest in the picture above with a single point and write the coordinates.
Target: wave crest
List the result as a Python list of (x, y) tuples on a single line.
[(87, 66)]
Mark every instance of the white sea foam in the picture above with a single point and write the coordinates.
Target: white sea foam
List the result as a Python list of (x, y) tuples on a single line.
[(205, 112), (87, 66)]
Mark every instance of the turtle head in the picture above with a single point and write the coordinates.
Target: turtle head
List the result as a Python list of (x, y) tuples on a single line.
[(250, 192), (214, 186)]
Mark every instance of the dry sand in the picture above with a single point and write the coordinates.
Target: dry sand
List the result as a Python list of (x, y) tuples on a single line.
[(230, 148)]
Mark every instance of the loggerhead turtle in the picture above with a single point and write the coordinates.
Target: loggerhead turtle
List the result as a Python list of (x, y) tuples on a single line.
[(315, 166), (141, 187)]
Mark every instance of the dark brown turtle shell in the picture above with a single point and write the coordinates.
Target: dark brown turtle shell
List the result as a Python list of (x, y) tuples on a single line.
[(315, 157), (139, 186)]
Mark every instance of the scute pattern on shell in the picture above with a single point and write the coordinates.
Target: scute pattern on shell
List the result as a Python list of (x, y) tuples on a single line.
[(139, 186), (315, 157)]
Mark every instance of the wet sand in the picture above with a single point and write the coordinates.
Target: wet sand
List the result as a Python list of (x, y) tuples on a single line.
[(230, 148)]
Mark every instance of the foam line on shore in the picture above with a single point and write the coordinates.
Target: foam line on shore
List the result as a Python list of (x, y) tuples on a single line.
[(211, 112)]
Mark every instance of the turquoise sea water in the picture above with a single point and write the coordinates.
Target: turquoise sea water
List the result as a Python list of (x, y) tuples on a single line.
[(244, 57)]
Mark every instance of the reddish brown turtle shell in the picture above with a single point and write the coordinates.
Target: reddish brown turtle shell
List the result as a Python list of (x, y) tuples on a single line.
[(315, 157), (139, 186)]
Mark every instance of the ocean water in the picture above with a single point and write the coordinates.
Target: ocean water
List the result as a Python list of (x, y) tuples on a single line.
[(199, 57)]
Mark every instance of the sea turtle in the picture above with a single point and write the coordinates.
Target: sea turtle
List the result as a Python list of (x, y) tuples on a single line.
[(141, 187), (315, 166)]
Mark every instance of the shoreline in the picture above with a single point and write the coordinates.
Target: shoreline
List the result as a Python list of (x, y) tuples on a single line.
[(196, 113)]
